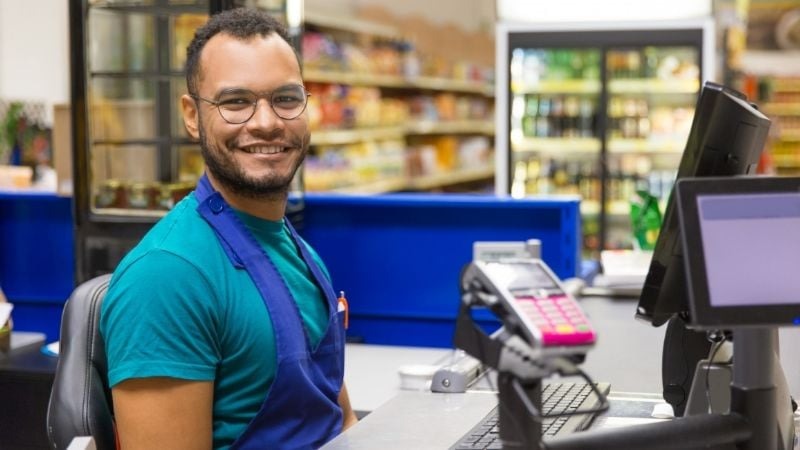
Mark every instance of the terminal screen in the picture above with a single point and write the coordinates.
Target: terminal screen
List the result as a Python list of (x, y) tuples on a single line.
[(751, 245), (521, 277)]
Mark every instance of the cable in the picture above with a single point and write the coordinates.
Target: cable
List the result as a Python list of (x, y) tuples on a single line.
[(718, 339)]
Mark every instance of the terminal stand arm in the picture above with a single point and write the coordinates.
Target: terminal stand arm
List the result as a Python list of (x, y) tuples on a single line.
[(709, 431), (751, 425)]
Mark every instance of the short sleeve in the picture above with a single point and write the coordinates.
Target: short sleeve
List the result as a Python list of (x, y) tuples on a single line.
[(160, 319)]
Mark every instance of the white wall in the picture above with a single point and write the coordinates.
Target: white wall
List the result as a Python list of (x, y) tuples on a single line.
[(472, 15), (34, 39), (34, 51)]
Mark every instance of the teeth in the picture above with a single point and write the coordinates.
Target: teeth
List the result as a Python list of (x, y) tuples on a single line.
[(270, 150)]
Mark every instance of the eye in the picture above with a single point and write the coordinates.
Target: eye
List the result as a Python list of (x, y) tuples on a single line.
[(287, 100), (235, 102)]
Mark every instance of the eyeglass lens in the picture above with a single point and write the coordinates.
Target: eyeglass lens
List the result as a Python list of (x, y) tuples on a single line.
[(238, 106)]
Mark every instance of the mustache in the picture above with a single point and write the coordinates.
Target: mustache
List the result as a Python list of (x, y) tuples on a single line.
[(274, 136)]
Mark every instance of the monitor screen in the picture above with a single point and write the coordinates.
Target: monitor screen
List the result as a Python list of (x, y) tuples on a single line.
[(745, 236), (726, 138)]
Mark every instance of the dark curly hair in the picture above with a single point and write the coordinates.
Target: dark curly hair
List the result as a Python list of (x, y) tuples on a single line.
[(241, 23)]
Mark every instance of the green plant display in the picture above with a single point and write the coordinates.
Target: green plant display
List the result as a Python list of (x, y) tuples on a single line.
[(9, 131)]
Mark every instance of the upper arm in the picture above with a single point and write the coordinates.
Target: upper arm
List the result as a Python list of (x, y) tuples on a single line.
[(159, 319), (163, 413)]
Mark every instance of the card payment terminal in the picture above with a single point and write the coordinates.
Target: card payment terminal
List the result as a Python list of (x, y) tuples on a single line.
[(525, 292)]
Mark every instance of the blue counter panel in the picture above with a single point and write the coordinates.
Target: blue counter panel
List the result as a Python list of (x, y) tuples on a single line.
[(37, 263), (399, 257)]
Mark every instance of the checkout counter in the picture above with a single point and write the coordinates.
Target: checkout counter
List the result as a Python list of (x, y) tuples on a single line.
[(420, 419)]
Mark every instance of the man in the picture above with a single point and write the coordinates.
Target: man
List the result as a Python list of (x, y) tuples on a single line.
[(221, 326)]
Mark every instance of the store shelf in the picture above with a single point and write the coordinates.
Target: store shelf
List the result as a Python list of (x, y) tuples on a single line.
[(445, 84), (653, 86), (557, 145), (127, 212), (781, 109), (377, 187), (137, 6), (616, 208), (771, 62), (558, 87), (451, 127), (790, 136), (787, 161), (787, 84), (354, 78), (397, 81), (646, 146), (420, 183), (456, 177), (350, 136)]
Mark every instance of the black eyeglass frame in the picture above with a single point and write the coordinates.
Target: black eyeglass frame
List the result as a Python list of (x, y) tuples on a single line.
[(265, 95)]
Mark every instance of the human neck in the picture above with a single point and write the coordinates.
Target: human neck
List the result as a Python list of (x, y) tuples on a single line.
[(264, 208)]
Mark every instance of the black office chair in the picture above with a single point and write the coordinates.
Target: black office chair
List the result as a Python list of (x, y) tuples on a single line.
[(80, 402)]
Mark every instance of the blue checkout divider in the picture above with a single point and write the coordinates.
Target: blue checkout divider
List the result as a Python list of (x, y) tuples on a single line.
[(398, 257), (37, 263)]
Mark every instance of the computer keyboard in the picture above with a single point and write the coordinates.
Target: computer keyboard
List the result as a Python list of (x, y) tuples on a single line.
[(556, 398)]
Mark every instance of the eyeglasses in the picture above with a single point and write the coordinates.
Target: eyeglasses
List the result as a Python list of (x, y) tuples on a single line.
[(237, 106)]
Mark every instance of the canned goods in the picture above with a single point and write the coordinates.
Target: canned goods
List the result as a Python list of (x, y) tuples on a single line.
[(170, 194), (110, 194), (142, 196)]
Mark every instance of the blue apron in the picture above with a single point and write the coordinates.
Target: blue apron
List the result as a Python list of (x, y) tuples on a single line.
[(301, 410)]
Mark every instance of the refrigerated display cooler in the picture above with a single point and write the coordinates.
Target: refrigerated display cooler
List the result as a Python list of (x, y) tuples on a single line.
[(599, 110)]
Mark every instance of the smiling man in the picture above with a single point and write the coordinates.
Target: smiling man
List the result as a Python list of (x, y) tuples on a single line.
[(221, 325)]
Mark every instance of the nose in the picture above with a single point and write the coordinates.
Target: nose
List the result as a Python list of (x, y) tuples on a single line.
[(264, 116)]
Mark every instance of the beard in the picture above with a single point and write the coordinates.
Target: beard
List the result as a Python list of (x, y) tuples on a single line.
[(229, 172)]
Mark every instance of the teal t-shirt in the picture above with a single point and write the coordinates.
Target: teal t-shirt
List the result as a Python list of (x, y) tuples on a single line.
[(176, 307)]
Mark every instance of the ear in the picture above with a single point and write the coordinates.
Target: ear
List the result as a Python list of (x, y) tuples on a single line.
[(191, 116)]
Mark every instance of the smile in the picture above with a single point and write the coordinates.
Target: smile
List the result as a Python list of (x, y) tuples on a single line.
[(265, 150)]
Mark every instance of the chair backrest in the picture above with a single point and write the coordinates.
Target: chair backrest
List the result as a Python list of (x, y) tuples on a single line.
[(80, 401)]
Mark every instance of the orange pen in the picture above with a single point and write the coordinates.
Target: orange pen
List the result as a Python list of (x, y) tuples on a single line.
[(343, 307)]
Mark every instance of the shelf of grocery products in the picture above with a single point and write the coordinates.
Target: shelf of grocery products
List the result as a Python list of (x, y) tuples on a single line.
[(398, 81), (419, 183), (569, 86), (781, 109), (451, 127), (130, 212), (555, 144), (426, 182), (646, 146), (653, 86), (613, 208), (787, 161), (615, 86), (349, 136), (572, 145), (375, 187), (791, 136)]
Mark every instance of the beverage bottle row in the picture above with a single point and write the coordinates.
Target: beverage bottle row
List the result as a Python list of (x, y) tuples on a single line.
[(629, 118), (546, 176), (653, 62), (557, 115), (530, 66)]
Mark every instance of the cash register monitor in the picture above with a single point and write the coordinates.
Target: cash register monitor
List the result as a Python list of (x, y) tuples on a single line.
[(726, 138), (744, 233)]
